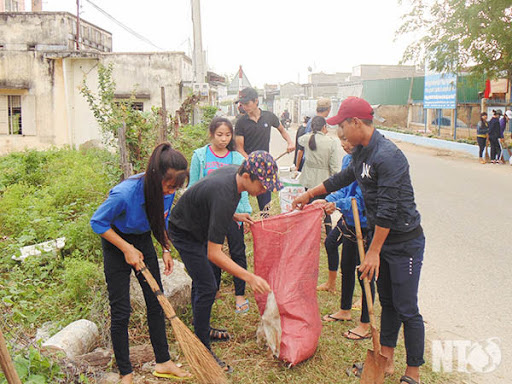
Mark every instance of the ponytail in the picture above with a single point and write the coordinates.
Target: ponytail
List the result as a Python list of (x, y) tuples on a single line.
[(317, 124), (164, 164)]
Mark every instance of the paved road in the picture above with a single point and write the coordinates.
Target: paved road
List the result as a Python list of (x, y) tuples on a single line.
[(465, 291)]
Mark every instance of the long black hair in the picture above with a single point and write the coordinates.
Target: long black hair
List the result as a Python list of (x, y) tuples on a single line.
[(216, 123), (164, 164), (317, 125)]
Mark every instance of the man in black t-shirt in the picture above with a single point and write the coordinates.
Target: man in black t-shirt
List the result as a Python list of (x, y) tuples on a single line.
[(252, 131), (199, 224)]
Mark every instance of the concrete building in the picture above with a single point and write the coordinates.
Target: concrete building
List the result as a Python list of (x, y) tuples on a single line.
[(324, 84), (41, 73), (12, 5), (379, 72)]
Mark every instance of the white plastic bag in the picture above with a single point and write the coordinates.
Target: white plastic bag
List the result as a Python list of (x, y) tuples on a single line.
[(291, 189), (270, 326)]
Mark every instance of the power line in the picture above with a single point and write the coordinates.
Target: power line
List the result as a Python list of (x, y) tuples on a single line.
[(125, 27)]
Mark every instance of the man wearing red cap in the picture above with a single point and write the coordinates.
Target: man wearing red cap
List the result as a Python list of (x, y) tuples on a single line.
[(395, 254)]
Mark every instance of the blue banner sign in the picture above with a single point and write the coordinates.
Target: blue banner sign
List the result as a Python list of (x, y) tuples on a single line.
[(440, 91)]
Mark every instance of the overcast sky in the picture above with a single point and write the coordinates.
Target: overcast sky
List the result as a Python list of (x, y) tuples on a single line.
[(275, 41)]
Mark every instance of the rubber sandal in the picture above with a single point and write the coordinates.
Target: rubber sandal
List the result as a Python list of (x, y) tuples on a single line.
[(219, 334), (171, 376), (358, 336), (227, 368), (408, 380), (242, 308), (356, 370), (332, 319)]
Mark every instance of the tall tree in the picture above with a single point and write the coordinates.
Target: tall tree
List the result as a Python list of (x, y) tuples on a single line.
[(461, 35)]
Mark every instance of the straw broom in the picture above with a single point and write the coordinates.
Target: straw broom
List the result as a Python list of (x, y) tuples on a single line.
[(6, 363), (201, 362)]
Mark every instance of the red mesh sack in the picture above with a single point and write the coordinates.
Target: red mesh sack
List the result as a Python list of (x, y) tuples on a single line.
[(286, 252)]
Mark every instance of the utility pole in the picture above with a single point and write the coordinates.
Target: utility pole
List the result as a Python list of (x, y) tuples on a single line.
[(77, 25), (240, 81), (163, 111), (198, 59)]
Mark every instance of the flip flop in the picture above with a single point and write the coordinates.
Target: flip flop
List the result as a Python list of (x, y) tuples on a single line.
[(332, 319), (171, 376), (408, 380), (347, 334), (242, 308), (226, 367), (356, 370)]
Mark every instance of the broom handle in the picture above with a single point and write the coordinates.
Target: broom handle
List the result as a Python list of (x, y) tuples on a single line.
[(281, 155), (5, 361), (156, 289), (367, 290)]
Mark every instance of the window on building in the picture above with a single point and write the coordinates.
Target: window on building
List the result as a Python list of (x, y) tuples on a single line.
[(138, 106), (14, 126), (11, 6)]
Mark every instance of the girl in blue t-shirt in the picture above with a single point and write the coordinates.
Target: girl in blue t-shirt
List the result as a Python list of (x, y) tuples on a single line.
[(133, 210), (221, 152)]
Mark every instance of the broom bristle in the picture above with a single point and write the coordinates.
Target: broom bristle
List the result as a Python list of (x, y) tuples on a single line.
[(200, 360)]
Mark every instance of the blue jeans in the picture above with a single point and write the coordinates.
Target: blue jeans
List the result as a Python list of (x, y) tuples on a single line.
[(194, 255), (117, 274), (399, 276)]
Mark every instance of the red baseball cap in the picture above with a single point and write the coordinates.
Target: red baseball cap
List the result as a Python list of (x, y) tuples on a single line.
[(352, 107)]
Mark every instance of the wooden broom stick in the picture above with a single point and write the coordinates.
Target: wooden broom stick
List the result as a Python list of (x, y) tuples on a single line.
[(5, 361), (201, 361)]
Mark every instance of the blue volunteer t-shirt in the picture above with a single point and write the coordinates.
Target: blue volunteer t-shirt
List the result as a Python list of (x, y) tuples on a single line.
[(125, 208), (214, 162)]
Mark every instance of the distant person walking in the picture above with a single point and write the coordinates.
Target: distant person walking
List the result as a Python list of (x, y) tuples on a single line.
[(253, 130), (494, 136), (482, 134), (301, 131)]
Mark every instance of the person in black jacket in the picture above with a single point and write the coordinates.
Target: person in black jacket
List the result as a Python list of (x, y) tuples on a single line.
[(395, 254), (482, 131), (494, 136)]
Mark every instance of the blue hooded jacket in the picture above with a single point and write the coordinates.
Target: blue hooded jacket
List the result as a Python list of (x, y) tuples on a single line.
[(343, 199)]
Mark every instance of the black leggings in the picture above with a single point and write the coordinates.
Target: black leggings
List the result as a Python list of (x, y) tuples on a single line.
[(342, 234), (481, 145), (117, 274)]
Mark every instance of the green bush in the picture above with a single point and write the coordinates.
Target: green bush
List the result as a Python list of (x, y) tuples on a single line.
[(34, 368), (45, 195), (190, 138), (79, 277)]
